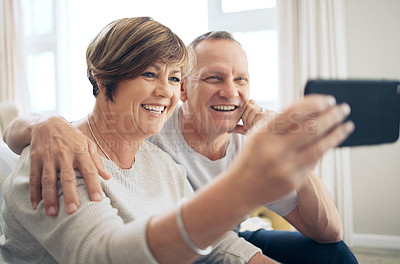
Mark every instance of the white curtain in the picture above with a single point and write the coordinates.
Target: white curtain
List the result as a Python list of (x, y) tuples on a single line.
[(13, 84), (312, 44)]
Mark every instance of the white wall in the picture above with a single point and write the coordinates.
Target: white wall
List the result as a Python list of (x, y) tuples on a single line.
[(373, 42)]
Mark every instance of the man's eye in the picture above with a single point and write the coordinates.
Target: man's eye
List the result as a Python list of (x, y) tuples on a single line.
[(213, 79), (149, 74), (241, 80), (175, 79)]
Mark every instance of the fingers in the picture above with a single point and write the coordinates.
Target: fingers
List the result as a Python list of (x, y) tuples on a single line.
[(89, 164), (68, 183), (308, 157), (334, 138), (87, 168), (49, 183), (62, 148), (288, 154), (251, 115), (35, 180), (49, 188), (298, 113), (43, 183), (317, 127), (303, 150), (252, 109)]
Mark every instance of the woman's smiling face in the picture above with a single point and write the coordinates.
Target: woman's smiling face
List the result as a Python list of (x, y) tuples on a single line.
[(145, 103)]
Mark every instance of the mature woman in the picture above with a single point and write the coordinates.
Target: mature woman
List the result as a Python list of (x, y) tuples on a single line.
[(135, 66)]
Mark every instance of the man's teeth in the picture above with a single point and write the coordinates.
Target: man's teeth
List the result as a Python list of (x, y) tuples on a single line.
[(224, 107), (154, 108)]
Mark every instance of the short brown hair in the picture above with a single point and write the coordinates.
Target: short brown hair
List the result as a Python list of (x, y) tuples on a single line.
[(126, 47)]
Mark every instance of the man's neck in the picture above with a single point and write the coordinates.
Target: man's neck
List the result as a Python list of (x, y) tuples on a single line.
[(211, 145)]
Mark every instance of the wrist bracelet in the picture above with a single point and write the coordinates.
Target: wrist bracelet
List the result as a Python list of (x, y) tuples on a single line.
[(185, 235)]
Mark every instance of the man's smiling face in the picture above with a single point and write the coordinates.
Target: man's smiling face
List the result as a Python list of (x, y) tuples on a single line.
[(217, 90)]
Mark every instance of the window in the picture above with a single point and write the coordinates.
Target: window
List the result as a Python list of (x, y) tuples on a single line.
[(44, 54), (59, 31), (258, 37), (229, 6), (84, 25)]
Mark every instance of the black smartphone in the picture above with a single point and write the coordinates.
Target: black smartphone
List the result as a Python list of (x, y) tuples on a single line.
[(375, 107)]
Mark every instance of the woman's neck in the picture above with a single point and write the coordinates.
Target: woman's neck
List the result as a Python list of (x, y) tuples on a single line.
[(118, 147)]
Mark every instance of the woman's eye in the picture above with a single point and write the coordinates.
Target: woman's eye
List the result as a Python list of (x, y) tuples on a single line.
[(149, 74), (175, 79)]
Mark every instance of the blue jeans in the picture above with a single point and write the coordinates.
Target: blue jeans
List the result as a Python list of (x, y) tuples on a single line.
[(293, 247)]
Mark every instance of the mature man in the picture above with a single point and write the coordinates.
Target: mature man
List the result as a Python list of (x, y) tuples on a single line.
[(204, 136), (201, 136)]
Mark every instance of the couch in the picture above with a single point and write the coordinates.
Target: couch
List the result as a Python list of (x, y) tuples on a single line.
[(8, 159), (8, 112)]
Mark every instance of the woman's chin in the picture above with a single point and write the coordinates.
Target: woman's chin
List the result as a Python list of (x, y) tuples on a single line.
[(153, 129)]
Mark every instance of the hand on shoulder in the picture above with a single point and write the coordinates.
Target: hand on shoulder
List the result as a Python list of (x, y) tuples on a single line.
[(57, 146)]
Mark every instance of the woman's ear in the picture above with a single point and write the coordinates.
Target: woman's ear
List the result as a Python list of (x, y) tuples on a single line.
[(183, 91), (101, 87)]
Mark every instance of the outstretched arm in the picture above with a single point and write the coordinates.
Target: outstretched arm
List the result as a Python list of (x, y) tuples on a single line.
[(274, 148), (56, 146), (316, 215)]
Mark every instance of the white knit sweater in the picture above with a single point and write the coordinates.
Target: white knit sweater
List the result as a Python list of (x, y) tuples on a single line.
[(110, 231)]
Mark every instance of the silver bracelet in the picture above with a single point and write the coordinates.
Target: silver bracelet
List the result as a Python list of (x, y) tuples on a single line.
[(185, 235)]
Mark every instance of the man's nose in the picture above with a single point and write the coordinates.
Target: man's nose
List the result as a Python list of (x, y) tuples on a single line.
[(229, 89)]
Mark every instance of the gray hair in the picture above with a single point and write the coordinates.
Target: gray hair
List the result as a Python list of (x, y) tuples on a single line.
[(213, 35)]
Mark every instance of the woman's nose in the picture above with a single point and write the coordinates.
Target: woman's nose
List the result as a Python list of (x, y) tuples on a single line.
[(164, 89)]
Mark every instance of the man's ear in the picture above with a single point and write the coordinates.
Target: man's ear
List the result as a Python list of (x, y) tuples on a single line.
[(183, 91)]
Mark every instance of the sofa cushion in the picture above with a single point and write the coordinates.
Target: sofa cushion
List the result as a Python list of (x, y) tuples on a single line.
[(8, 160), (8, 112)]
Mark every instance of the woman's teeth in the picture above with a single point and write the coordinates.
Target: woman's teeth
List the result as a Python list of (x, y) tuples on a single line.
[(224, 107), (154, 108)]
